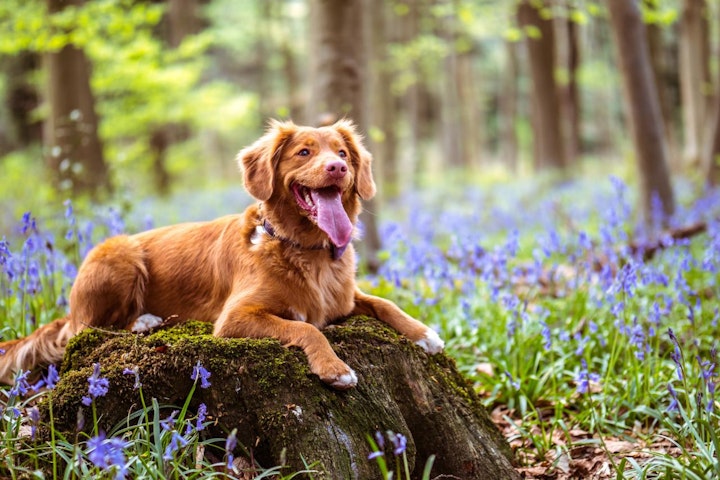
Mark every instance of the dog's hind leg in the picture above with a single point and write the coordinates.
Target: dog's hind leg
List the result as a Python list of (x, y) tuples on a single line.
[(108, 292), (111, 283)]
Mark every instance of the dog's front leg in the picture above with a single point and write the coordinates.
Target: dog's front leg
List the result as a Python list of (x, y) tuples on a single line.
[(391, 314), (254, 322)]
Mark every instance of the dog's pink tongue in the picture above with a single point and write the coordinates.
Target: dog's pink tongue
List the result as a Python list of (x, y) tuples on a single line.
[(331, 216)]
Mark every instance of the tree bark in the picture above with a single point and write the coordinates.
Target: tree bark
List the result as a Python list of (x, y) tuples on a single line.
[(281, 411), (547, 125), (694, 74), (338, 87), (643, 107), (74, 149)]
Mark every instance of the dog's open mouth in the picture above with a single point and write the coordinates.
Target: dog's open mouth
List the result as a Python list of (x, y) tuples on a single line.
[(324, 207)]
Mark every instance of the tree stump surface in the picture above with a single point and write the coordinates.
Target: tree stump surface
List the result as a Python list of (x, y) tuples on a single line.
[(286, 415)]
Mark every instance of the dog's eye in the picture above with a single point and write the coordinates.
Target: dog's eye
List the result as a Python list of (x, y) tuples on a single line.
[(304, 152), (342, 154)]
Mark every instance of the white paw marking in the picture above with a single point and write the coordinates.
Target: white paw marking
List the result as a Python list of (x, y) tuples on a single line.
[(431, 342), (345, 381), (146, 322)]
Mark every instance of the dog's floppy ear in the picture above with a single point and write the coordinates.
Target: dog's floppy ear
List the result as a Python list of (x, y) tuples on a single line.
[(364, 182), (259, 160)]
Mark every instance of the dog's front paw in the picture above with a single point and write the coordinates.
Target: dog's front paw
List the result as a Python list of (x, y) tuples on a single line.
[(337, 375), (345, 381), (431, 342)]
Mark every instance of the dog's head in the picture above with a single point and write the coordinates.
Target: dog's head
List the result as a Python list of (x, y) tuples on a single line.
[(314, 175)]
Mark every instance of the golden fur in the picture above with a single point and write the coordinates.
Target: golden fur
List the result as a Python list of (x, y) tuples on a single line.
[(250, 282)]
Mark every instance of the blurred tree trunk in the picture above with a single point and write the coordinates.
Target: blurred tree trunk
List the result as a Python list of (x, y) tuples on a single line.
[(548, 138), (457, 125), (338, 86), (569, 93), (711, 160), (644, 113), (21, 98), (383, 114), (509, 107), (711, 154), (661, 71), (74, 149), (694, 75), (263, 81), (182, 20), (409, 28), (292, 77)]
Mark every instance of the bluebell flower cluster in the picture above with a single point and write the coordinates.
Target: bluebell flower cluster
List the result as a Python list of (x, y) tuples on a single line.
[(97, 386), (108, 454)]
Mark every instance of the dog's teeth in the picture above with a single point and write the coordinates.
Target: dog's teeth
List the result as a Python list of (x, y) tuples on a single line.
[(308, 200)]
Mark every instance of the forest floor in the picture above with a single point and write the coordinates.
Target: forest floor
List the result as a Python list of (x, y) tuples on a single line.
[(577, 453)]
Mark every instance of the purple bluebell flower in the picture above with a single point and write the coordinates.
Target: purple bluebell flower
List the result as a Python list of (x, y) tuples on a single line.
[(399, 442), (230, 444), (21, 385), (584, 378), (169, 423), (49, 380), (676, 355), (108, 454), (199, 372), (201, 415), (674, 405), (375, 454), (515, 383), (34, 414), (546, 334), (97, 386), (130, 371), (177, 442)]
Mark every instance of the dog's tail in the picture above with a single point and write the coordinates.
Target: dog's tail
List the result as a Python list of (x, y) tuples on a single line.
[(44, 346)]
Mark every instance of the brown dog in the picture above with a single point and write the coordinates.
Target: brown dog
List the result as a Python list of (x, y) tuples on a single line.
[(285, 268)]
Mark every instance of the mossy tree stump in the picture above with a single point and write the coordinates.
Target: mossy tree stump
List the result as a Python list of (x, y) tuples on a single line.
[(282, 412)]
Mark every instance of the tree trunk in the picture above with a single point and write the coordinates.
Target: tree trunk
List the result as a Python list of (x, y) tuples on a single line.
[(643, 105), (413, 158), (284, 414), (74, 150), (337, 87), (711, 161), (569, 93), (711, 154), (383, 114), (547, 124), (509, 108), (182, 20), (662, 71), (693, 76), (21, 98)]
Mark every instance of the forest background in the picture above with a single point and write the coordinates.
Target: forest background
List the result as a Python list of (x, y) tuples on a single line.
[(534, 279), (144, 98)]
